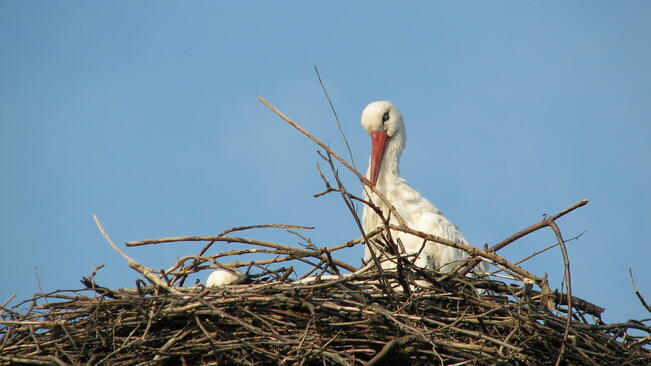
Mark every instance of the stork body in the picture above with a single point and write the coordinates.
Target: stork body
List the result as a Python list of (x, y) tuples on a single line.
[(385, 125)]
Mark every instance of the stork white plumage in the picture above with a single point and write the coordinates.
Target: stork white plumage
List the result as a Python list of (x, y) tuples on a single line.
[(385, 125), (223, 277)]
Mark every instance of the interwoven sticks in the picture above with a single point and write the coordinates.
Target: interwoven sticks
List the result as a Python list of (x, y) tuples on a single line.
[(347, 322)]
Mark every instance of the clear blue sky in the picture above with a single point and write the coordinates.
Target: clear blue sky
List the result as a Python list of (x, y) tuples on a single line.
[(145, 113)]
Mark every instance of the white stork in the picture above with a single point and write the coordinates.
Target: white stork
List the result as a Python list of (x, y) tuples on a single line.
[(224, 276), (384, 124)]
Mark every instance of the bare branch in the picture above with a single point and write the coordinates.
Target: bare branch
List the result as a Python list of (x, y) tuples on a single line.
[(332, 107), (543, 223), (637, 292), (145, 271), (568, 280)]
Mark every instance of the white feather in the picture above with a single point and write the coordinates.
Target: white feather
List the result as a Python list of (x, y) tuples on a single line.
[(222, 277)]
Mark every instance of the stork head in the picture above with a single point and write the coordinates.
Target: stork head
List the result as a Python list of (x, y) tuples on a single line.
[(384, 124), (224, 276)]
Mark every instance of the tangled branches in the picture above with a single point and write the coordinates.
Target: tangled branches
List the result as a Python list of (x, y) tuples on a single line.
[(343, 321)]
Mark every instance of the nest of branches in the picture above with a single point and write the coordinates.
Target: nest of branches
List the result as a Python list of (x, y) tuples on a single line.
[(332, 313), (351, 320)]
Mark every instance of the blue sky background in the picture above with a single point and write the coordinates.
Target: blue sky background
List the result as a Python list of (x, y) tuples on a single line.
[(145, 113)]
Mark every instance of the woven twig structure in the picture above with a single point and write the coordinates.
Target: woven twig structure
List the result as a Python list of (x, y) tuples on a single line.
[(347, 321)]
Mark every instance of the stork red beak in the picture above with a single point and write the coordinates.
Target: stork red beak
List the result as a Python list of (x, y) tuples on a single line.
[(378, 143)]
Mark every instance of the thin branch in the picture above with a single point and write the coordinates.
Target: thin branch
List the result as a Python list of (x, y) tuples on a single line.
[(539, 225), (538, 252), (4, 305), (231, 239), (566, 260), (145, 271), (637, 292), (341, 131), (241, 228)]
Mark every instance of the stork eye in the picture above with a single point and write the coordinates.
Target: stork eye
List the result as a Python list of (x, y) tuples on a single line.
[(385, 117)]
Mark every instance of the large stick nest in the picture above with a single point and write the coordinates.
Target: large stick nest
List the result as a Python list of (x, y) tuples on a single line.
[(347, 321), (334, 313)]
